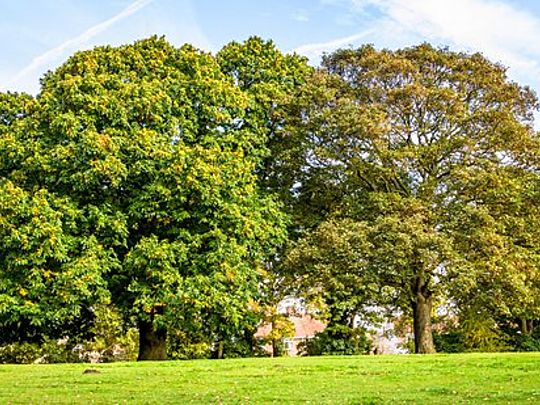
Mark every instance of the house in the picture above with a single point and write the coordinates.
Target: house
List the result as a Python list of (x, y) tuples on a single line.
[(305, 326), (384, 336)]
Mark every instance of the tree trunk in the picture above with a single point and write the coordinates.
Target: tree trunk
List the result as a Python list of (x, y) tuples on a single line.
[(249, 336), (275, 351), (524, 329), (220, 350), (423, 336), (152, 342), (275, 348), (527, 326)]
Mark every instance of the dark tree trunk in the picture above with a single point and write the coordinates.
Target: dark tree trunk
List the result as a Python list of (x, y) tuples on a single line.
[(152, 342), (423, 336), (524, 329), (220, 350), (275, 349), (527, 326), (249, 336)]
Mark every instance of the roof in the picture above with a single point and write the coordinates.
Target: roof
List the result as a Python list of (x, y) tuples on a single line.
[(305, 327)]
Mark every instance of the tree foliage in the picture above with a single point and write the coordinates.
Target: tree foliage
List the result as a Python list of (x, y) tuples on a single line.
[(50, 275), (162, 181), (144, 143), (423, 149)]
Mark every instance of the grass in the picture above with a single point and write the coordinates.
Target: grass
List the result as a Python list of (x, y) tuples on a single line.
[(464, 378)]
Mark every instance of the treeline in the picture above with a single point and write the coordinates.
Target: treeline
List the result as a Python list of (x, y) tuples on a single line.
[(183, 194)]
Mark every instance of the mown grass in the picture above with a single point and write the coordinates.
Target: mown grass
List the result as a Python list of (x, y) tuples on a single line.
[(465, 378)]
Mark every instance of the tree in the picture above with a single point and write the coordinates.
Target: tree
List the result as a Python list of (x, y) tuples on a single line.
[(49, 275), (145, 142), (270, 81), (502, 286), (412, 145)]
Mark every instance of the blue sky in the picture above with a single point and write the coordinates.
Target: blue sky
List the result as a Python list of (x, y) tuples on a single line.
[(38, 35)]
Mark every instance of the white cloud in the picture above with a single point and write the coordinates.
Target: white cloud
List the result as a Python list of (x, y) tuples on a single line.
[(315, 50), (300, 17), (498, 30), (39, 62)]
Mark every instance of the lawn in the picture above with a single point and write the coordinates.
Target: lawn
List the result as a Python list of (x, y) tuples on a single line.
[(467, 378)]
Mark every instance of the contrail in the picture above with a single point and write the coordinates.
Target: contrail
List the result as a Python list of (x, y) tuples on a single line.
[(91, 32), (317, 49)]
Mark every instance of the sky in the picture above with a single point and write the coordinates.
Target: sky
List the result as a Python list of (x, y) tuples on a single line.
[(39, 35)]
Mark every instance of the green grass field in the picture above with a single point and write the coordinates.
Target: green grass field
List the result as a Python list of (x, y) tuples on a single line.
[(467, 378)]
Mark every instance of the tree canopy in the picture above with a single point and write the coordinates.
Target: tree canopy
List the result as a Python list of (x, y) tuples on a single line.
[(421, 152), (145, 144), (191, 190)]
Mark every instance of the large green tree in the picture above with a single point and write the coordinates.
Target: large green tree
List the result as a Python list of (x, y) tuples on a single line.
[(50, 275), (417, 147), (271, 81), (501, 287), (145, 142)]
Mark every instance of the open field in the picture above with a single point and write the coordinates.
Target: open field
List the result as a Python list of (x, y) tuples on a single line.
[(466, 378)]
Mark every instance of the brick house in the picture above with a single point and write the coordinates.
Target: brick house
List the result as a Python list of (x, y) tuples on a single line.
[(305, 326)]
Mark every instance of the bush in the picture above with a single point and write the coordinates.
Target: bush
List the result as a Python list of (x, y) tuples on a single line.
[(234, 348), (449, 342), (337, 340), (525, 342), (477, 332), (107, 341), (19, 353), (110, 341), (50, 351), (181, 346)]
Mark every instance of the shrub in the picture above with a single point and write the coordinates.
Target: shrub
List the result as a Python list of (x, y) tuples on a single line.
[(449, 342), (234, 348), (110, 342), (182, 346), (50, 351), (525, 342), (337, 340), (19, 353)]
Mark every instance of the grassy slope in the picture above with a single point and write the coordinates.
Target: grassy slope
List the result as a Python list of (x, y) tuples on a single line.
[(503, 378)]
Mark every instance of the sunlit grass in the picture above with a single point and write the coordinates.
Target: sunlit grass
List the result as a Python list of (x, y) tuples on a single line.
[(464, 378)]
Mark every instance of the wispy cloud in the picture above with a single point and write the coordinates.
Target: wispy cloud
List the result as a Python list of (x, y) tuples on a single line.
[(501, 31), (57, 52), (300, 16), (498, 29), (315, 50)]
